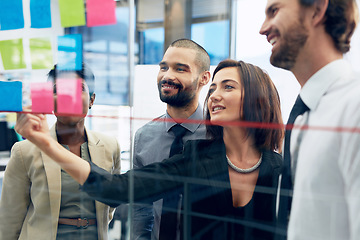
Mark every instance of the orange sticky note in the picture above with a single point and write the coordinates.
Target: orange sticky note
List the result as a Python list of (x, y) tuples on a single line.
[(42, 97), (68, 93)]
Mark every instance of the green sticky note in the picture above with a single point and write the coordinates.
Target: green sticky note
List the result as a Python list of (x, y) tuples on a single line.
[(12, 54), (72, 13), (41, 53)]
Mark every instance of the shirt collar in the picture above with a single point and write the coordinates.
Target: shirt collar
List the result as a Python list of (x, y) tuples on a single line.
[(320, 82), (197, 116), (84, 149)]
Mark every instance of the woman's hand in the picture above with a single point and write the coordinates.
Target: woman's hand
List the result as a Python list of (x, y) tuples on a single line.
[(33, 127)]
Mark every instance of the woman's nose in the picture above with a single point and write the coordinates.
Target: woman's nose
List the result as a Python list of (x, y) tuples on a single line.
[(215, 96)]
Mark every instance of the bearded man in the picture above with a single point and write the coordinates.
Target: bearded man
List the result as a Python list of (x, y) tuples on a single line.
[(184, 70), (322, 154)]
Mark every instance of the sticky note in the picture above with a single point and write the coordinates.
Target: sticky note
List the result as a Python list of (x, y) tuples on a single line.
[(68, 93), (11, 14), (70, 52), (40, 13), (12, 54), (11, 96), (42, 97), (41, 53), (100, 12), (72, 13)]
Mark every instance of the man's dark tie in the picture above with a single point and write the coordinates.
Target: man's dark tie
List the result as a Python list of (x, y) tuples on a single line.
[(177, 145), (169, 219), (286, 186)]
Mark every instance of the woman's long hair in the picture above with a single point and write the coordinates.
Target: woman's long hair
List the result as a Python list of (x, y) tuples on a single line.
[(260, 104)]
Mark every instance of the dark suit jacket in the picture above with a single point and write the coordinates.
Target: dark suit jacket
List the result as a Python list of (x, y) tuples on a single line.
[(201, 173)]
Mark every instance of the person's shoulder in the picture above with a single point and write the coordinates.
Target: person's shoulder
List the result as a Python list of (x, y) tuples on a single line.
[(154, 122), (154, 125), (25, 144), (347, 87), (103, 138), (98, 134), (273, 158), (345, 98), (353, 86), (25, 149), (204, 145)]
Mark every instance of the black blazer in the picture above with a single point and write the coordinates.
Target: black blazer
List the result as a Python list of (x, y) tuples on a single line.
[(201, 174)]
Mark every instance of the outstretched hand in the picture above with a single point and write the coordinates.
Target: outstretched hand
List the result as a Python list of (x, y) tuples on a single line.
[(33, 127)]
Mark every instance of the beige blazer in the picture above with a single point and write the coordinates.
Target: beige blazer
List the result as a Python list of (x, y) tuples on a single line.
[(31, 192)]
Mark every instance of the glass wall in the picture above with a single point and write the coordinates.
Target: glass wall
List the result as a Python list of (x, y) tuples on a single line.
[(207, 19), (105, 49), (127, 99)]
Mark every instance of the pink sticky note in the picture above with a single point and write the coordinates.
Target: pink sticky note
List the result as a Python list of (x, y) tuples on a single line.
[(68, 93), (42, 97), (100, 12)]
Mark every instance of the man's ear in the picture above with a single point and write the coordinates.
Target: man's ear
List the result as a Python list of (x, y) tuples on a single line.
[(205, 78), (320, 7), (92, 99)]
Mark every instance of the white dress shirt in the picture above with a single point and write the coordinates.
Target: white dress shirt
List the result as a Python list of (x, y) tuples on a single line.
[(325, 149)]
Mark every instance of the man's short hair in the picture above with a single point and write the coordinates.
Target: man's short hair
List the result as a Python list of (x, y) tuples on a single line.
[(341, 19), (85, 73), (202, 57)]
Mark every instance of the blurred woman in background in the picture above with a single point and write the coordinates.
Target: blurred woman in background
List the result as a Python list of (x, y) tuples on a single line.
[(41, 201)]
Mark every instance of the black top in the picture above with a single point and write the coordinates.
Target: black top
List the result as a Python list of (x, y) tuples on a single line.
[(201, 174)]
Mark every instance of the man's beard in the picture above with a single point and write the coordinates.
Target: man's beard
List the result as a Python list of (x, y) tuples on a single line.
[(293, 41), (182, 98)]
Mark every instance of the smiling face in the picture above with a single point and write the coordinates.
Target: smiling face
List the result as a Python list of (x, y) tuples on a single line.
[(285, 31), (225, 94), (243, 91), (178, 77)]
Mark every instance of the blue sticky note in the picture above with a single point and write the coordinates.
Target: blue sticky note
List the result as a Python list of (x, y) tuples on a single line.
[(70, 52), (40, 13), (11, 14), (11, 96)]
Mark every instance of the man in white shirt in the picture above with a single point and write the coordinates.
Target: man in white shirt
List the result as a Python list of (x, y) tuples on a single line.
[(309, 38)]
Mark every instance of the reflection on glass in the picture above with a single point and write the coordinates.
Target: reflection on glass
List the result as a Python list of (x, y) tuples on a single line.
[(214, 37)]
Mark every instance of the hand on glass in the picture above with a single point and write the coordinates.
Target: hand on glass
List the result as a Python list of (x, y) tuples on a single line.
[(33, 127)]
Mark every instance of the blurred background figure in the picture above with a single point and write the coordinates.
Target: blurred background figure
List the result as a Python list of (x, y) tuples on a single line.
[(39, 200)]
